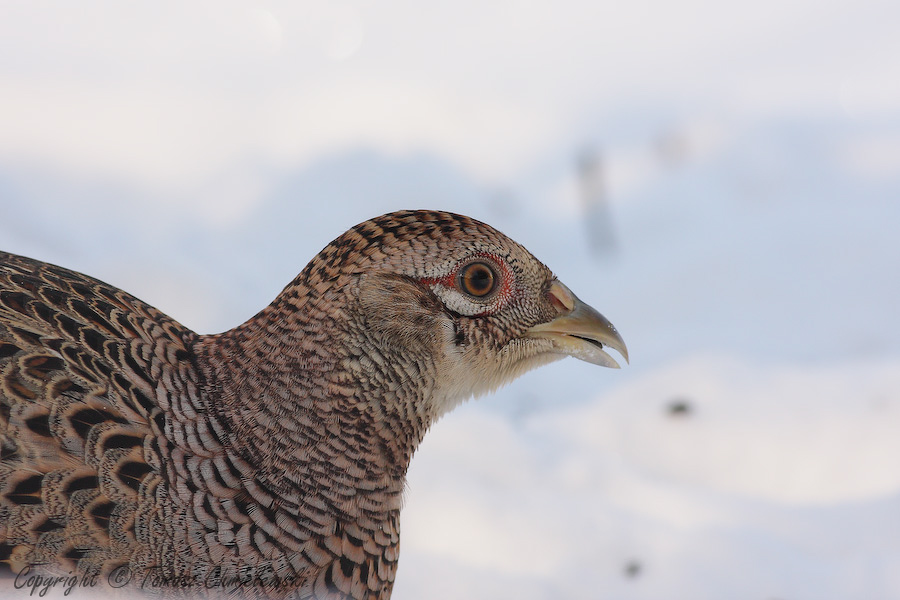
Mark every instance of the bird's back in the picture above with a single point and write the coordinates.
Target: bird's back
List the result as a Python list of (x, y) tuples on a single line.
[(82, 365)]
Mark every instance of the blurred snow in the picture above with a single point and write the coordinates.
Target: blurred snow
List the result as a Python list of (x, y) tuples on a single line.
[(198, 155), (779, 483)]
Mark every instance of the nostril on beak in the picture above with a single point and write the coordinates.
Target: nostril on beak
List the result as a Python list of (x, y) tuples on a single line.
[(561, 298)]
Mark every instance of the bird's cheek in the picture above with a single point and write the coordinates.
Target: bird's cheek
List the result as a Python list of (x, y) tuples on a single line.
[(399, 312)]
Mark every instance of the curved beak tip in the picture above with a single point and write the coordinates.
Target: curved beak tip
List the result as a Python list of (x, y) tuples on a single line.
[(619, 345)]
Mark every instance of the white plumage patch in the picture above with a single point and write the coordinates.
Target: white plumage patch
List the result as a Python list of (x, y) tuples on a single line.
[(459, 303), (468, 373)]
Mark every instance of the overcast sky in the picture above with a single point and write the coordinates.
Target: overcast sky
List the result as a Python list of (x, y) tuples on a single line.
[(199, 102)]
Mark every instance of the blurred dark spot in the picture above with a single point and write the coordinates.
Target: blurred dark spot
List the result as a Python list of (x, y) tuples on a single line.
[(633, 569), (526, 406), (679, 408)]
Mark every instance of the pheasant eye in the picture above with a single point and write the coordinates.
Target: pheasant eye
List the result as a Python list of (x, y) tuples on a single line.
[(477, 279)]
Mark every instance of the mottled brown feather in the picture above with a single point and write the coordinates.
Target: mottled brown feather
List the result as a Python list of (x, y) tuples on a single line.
[(268, 460)]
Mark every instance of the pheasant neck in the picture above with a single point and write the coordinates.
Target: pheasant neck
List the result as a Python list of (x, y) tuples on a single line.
[(315, 407)]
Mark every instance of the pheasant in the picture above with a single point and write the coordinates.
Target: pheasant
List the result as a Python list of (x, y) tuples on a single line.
[(267, 461)]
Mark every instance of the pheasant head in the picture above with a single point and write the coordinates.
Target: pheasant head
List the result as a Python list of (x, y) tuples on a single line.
[(477, 304)]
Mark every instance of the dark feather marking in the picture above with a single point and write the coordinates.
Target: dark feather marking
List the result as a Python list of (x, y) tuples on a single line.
[(27, 491), (329, 579), (135, 367), (82, 483), (76, 553), (29, 337), (18, 387), (15, 301), (133, 473), (459, 336), (69, 326), (5, 554), (80, 289), (125, 324), (25, 282), (54, 297), (135, 398), (101, 512), (121, 440), (48, 525), (8, 448), (40, 425), (42, 366), (43, 312), (94, 339), (84, 419), (160, 420), (347, 566)]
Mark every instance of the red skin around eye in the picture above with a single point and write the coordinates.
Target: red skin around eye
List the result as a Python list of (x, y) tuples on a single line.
[(450, 280)]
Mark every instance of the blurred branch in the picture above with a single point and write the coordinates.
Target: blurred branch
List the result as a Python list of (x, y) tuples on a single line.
[(597, 218)]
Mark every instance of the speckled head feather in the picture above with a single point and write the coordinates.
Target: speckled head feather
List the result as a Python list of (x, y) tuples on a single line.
[(268, 460), (406, 266)]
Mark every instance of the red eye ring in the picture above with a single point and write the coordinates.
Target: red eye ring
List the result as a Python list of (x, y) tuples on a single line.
[(477, 279)]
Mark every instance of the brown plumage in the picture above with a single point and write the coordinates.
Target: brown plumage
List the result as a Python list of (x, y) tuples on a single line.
[(269, 460)]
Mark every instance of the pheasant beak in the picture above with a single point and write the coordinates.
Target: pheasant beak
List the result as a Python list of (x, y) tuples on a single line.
[(579, 330)]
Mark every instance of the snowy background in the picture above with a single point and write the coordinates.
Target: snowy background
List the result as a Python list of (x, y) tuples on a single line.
[(198, 154)]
